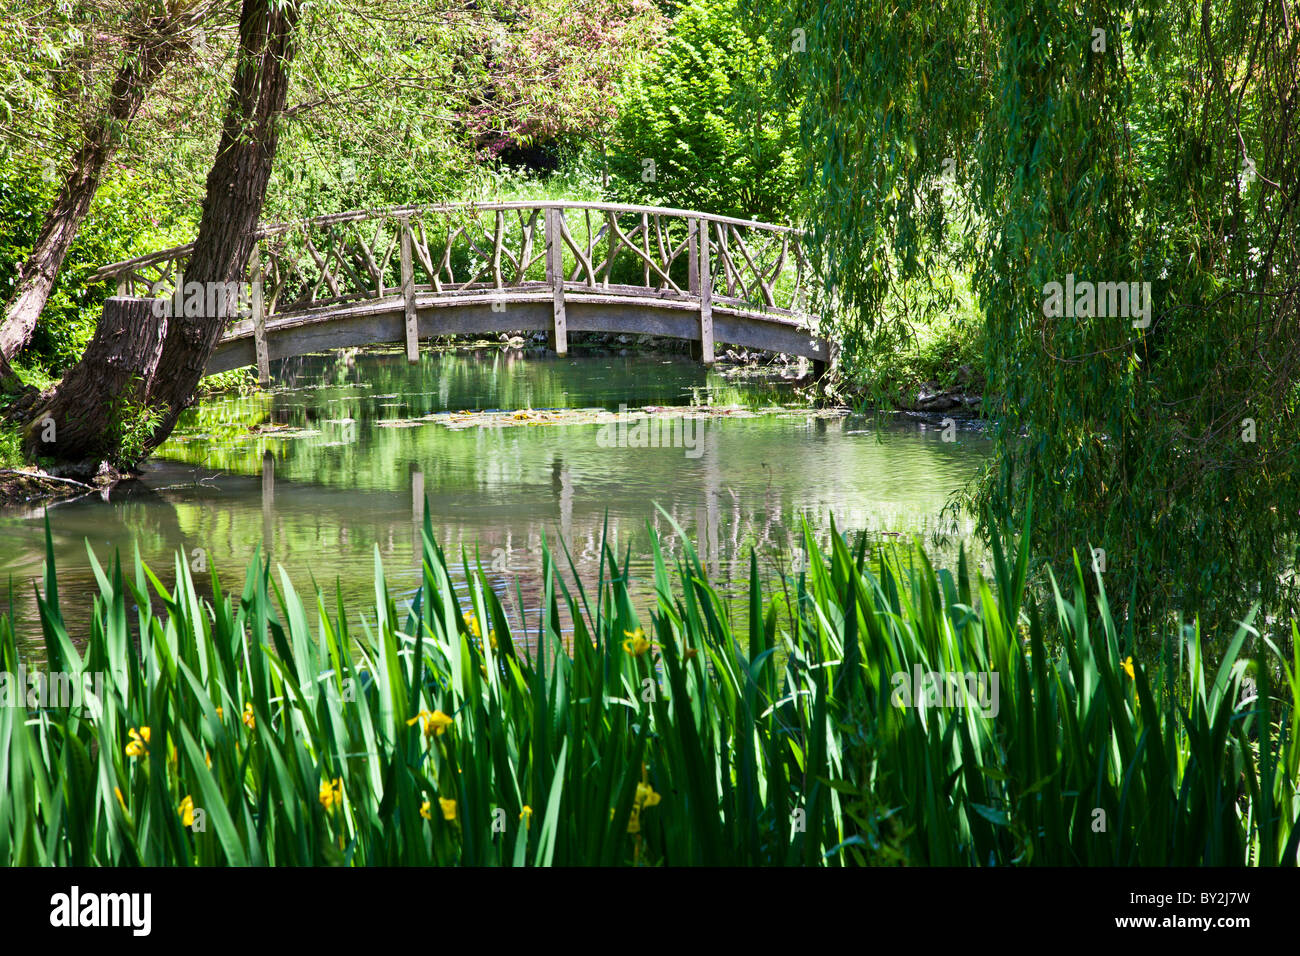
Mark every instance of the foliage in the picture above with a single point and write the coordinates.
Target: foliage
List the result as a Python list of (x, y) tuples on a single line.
[(11, 447), (1025, 147), (941, 346), (404, 107), (131, 424), (552, 66), (436, 737), (576, 180), (373, 102), (704, 111), (124, 217), (58, 62), (241, 381)]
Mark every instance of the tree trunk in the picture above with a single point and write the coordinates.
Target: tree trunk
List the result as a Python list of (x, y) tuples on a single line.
[(84, 418), (235, 193), (150, 51)]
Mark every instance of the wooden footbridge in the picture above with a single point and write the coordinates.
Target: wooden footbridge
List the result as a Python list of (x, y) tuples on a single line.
[(398, 275)]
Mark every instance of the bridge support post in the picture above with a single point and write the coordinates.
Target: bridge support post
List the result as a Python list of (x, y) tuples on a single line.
[(701, 284), (821, 366), (259, 322), (408, 297), (558, 339)]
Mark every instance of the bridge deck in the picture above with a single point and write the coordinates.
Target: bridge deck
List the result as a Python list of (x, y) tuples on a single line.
[(378, 321)]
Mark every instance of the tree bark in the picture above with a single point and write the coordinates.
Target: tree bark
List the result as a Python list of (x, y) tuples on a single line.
[(236, 191), (117, 369), (146, 58)]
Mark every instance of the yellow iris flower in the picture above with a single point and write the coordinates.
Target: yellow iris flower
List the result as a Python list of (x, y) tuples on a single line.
[(636, 643), (645, 797), (139, 745), (331, 794), (431, 723)]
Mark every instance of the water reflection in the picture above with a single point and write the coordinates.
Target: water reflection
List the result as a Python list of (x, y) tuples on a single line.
[(354, 472)]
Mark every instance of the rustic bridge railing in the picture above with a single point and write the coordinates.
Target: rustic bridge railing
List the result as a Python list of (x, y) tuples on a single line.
[(372, 265)]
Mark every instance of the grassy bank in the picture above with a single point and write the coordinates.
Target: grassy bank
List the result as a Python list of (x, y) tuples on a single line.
[(233, 732)]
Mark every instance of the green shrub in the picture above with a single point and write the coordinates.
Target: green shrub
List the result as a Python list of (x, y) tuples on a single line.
[(705, 112)]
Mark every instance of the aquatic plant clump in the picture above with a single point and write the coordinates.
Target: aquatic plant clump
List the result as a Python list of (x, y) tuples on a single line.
[(873, 711)]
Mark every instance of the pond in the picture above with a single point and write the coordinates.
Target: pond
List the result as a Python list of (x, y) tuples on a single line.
[(349, 449)]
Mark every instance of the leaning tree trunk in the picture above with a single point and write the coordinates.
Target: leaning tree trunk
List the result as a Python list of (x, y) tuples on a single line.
[(233, 204), (150, 51), (119, 362), (235, 192)]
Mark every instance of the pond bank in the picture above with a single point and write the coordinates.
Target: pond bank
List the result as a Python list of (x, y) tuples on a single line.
[(33, 486)]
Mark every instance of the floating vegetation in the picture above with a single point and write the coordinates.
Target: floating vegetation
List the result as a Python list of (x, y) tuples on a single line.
[(268, 430), (497, 418)]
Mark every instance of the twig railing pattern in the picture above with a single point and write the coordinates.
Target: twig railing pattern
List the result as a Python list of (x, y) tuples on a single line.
[(507, 251)]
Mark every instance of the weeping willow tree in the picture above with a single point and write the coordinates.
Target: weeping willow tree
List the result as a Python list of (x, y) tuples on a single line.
[(1121, 180)]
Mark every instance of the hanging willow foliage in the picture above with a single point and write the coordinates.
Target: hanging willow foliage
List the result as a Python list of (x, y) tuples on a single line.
[(1152, 144)]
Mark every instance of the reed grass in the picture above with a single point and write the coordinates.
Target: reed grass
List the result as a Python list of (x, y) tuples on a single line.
[(414, 740)]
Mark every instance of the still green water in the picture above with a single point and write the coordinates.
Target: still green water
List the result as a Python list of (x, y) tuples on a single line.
[(354, 467)]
